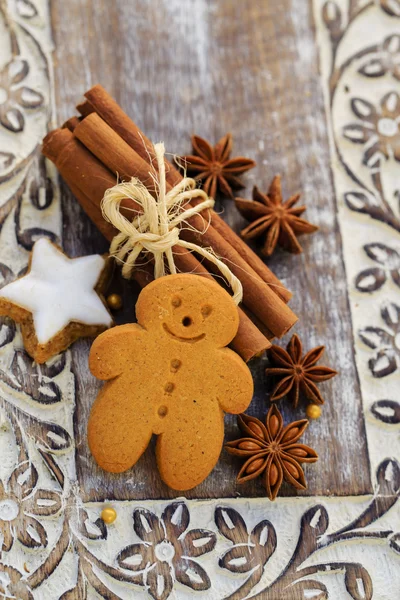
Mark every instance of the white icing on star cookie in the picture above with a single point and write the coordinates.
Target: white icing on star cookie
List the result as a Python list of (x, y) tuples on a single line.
[(59, 290)]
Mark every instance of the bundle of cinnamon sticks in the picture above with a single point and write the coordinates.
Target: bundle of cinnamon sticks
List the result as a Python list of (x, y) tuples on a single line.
[(102, 145)]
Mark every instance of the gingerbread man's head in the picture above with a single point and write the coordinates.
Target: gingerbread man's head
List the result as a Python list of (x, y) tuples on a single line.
[(188, 308)]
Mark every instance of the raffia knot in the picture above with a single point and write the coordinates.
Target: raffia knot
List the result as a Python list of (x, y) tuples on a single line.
[(154, 242), (156, 229)]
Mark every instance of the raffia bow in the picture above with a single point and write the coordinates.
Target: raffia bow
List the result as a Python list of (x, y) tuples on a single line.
[(157, 228)]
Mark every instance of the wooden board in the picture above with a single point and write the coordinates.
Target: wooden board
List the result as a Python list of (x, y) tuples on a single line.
[(242, 68)]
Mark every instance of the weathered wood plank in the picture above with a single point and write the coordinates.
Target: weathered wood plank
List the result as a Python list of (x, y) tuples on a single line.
[(212, 67)]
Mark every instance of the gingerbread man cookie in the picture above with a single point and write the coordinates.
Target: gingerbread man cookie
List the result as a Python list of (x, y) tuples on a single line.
[(58, 301), (169, 375)]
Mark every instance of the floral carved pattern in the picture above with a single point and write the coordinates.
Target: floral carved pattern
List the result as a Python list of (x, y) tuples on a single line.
[(250, 551), (388, 61), (165, 553), (21, 502), (385, 342), (377, 129), (374, 278), (14, 96), (371, 135), (35, 380)]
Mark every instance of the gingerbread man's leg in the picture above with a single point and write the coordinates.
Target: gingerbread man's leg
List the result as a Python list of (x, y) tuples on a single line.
[(118, 432), (190, 446)]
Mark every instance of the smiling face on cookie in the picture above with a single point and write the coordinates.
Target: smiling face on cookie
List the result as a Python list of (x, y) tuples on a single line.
[(189, 309)]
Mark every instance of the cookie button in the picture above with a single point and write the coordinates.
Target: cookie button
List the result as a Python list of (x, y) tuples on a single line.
[(162, 411), (176, 301), (175, 365), (169, 387)]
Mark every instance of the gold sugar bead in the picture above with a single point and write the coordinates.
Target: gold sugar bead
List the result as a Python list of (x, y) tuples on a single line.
[(114, 301), (108, 515), (313, 411)]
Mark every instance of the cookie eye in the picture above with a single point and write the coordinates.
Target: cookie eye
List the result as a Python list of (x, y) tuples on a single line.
[(206, 310), (176, 301)]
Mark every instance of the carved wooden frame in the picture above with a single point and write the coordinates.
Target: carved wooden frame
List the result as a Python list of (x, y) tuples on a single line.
[(53, 544)]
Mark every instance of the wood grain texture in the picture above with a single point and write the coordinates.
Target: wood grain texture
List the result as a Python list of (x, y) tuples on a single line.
[(211, 67)]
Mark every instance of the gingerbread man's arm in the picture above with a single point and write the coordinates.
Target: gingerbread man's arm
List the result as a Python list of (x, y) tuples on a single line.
[(234, 387), (111, 350)]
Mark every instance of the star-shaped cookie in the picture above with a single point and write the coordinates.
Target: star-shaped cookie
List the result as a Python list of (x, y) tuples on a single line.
[(58, 300)]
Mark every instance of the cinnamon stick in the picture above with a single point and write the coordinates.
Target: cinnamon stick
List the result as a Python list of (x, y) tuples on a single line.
[(84, 108), (100, 138), (109, 110), (112, 150), (71, 123), (260, 326), (88, 180), (92, 211)]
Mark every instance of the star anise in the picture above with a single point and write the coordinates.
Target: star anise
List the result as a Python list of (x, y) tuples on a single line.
[(271, 450), (296, 373), (274, 219), (213, 167)]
